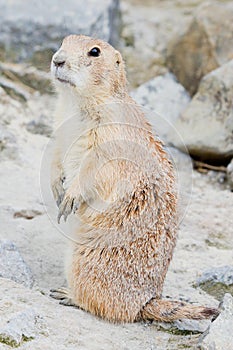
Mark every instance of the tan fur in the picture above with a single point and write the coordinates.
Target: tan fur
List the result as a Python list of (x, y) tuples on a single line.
[(119, 187)]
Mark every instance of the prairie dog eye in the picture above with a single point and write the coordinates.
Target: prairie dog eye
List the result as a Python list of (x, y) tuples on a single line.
[(94, 52)]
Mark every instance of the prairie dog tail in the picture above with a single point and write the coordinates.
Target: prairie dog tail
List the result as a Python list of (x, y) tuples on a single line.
[(169, 311)]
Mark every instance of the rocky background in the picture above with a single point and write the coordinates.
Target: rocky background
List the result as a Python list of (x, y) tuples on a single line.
[(179, 58)]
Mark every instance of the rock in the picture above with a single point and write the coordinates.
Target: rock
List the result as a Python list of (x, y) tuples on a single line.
[(142, 69), (183, 166), (13, 266), (39, 126), (217, 281), (9, 107), (8, 144), (29, 77), (183, 161), (206, 45), (185, 326), (69, 328), (31, 32), (14, 90), (230, 174), (192, 326), (144, 46), (167, 99), (219, 336), (206, 126), (21, 328)]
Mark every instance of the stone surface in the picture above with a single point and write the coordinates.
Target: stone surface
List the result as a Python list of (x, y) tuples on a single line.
[(22, 327), (13, 266), (192, 326), (8, 144), (217, 281), (32, 79), (219, 336), (185, 326), (14, 90), (32, 32), (68, 328), (9, 107), (206, 125), (230, 174), (167, 99), (39, 126), (147, 28), (206, 44)]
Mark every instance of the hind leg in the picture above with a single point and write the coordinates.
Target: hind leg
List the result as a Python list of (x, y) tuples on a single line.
[(62, 294)]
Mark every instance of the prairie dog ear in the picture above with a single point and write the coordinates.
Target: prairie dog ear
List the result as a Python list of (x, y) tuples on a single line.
[(118, 57), (120, 69)]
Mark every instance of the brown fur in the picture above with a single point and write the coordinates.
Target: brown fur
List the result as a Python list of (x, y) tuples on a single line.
[(124, 233)]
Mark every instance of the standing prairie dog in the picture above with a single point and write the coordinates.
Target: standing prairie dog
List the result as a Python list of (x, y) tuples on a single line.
[(116, 181)]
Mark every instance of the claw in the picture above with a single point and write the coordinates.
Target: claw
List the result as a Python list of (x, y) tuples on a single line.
[(58, 190), (59, 294), (60, 198), (66, 208), (63, 295)]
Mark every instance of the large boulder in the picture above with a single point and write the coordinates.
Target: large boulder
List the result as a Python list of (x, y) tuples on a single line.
[(147, 28), (206, 44), (206, 125), (33, 30), (167, 99)]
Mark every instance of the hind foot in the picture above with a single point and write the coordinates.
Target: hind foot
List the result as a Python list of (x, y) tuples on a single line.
[(62, 294)]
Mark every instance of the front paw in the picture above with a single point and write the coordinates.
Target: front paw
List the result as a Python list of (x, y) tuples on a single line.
[(58, 190), (68, 205), (63, 295)]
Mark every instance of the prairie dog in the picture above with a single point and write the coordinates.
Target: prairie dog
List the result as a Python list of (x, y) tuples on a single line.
[(114, 178)]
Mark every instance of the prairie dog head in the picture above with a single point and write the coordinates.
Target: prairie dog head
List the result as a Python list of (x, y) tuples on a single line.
[(89, 67)]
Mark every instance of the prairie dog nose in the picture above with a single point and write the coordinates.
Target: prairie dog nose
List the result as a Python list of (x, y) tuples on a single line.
[(59, 58)]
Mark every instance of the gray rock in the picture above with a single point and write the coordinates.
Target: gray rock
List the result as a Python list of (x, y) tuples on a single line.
[(167, 99), (230, 174), (183, 161), (147, 28), (183, 166), (39, 126), (67, 328), (185, 326), (222, 274), (29, 77), (203, 47), (219, 336), (8, 144), (217, 281), (206, 126), (194, 326), (14, 90), (9, 107), (13, 266), (30, 31), (22, 327)]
